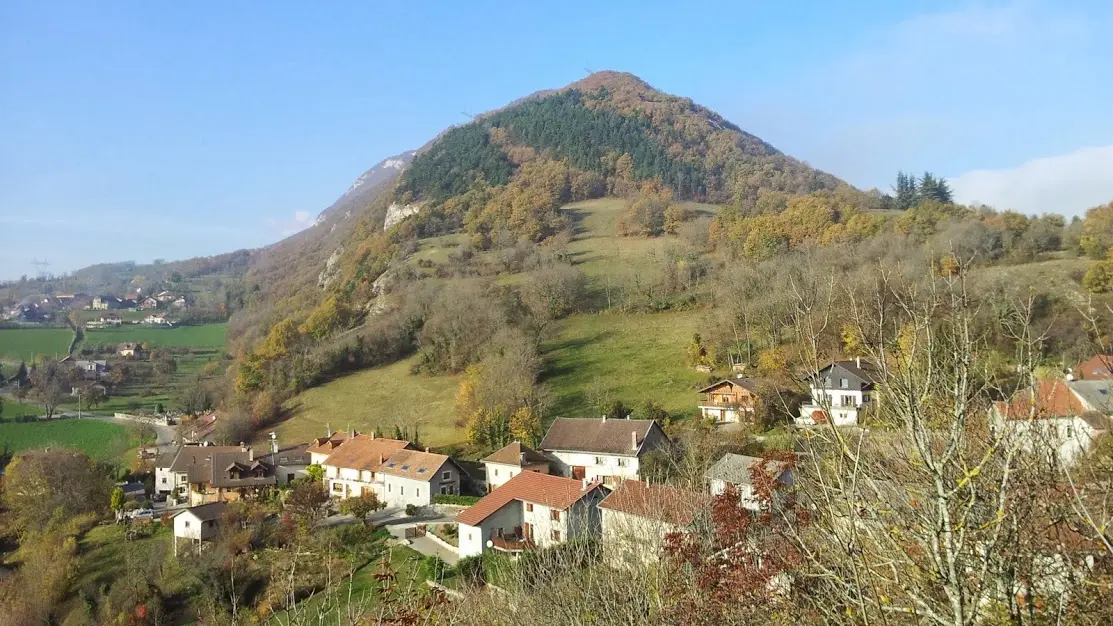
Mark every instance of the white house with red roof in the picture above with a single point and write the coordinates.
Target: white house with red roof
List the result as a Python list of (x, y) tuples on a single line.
[(531, 510)]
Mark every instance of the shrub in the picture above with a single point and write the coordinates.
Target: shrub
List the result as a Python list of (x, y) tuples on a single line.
[(471, 570), (412, 510), (455, 499)]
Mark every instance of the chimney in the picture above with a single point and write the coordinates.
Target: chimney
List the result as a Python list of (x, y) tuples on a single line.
[(427, 448), (858, 362), (381, 459), (521, 458), (584, 483), (243, 447), (328, 429), (633, 440), (604, 417), (251, 454), (372, 434)]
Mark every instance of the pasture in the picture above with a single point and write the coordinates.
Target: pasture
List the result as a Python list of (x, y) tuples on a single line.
[(24, 344), (202, 336), (376, 399), (98, 439)]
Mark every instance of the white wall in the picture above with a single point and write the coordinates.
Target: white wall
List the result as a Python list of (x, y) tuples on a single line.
[(401, 491), (631, 540), (473, 539), (611, 465), (498, 474), (1069, 439), (187, 526)]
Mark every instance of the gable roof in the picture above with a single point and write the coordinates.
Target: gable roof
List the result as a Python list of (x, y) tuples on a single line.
[(1053, 399), (206, 512), (325, 445), (863, 369), (363, 452), (516, 454), (414, 464), (554, 492), (289, 455), (605, 436), (664, 503), (749, 384), (738, 469), (1096, 367), (1097, 395)]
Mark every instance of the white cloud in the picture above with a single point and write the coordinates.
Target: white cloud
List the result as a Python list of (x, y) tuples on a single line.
[(1067, 183)]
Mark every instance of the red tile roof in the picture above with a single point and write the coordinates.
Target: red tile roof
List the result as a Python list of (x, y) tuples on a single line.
[(364, 453), (1053, 399), (664, 503), (552, 491)]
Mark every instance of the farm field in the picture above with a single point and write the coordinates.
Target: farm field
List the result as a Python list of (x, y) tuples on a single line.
[(376, 399), (203, 336), (638, 356), (24, 344), (101, 440)]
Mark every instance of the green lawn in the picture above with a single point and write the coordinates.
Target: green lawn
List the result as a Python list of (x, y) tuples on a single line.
[(637, 356), (23, 344), (376, 399), (98, 439), (203, 336), (13, 409)]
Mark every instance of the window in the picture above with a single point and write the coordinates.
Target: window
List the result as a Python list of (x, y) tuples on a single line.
[(446, 476), (390, 488), (529, 507), (622, 462), (865, 398), (848, 401), (844, 383), (337, 488), (599, 460), (556, 535), (554, 515), (496, 472), (185, 523), (401, 490), (164, 480), (418, 490)]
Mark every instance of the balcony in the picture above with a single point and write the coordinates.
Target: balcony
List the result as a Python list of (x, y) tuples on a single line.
[(512, 543)]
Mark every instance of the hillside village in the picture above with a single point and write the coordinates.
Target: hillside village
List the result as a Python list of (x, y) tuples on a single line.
[(599, 357)]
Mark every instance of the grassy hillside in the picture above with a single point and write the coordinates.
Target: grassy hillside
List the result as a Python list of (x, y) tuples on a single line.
[(376, 399), (637, 357)]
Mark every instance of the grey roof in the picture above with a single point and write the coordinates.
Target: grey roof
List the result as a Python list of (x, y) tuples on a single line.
[(736, 468), (206, 512), (1097, 394), (289, 455), (605, 436)]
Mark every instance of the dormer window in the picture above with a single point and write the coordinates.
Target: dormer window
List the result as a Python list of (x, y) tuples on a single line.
[(844, 383)]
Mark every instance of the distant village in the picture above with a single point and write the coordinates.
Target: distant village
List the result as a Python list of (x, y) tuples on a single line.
[(51, 308)]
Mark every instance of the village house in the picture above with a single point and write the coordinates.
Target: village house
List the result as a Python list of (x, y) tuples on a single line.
[(390, 469), (531, 510), (1097, 367), (201, 474), (179, 303), (511, 460), (605, 450), (840, 393), (637, 516), (128, 350), (165, 296), (199, 429), (198, 524), (321, 447), (730, 400), (103, 303), (144, 304), (1061, 418), (156, 319), (737, 470)]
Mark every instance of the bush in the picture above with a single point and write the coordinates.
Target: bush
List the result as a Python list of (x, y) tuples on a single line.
[(433, 568), (412, 510), (471, 570), (455, 499)]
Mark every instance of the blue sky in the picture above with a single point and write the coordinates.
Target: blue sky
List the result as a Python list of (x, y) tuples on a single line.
[(141, 130)]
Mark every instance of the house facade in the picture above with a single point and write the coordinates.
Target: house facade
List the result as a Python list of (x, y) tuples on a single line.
[(156, 319), (603, 450), (840, 394), (1060, 419), (637, 517), (197, 524), (200, 474), (730, 400), (531, 510), (737, 470), (352, 468), (415, 477), (511, 460)]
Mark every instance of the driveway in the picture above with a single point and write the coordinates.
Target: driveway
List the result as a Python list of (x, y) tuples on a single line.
[(397, 523)]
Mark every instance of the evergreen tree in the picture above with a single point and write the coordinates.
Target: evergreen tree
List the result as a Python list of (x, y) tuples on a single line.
[(905, 191), (932, 188)]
